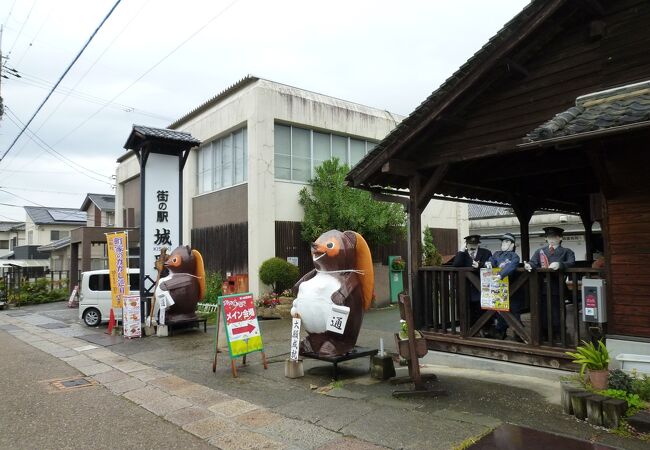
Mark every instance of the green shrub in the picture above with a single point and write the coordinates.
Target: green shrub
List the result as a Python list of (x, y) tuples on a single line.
[(619, 380), (641, 387), (634, 402), (213, 286), (37, 291), (430, 254), (279, 274)]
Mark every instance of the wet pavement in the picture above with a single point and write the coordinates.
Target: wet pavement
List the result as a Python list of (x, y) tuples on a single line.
[(172, 378)]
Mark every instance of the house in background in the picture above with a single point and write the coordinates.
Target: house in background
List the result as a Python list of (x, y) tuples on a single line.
[(492, 221), (48, 230), (12, 234), (99, 209), (261, 142)]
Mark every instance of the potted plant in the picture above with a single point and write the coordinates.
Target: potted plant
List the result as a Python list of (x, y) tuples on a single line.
[(596, 359), (398, 264)]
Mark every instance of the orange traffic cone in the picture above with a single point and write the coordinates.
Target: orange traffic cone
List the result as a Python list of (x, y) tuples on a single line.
[(111, 322)]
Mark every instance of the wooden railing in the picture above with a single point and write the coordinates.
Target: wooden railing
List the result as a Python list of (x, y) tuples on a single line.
[(442, 306)]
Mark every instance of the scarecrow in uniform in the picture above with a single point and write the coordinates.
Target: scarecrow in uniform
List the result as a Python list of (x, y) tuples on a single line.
[(473, 256), (555, 257)]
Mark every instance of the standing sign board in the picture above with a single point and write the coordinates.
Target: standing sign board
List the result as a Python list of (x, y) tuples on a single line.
[(131, 316), (495, 293), (118, 266), (242, 329), (161, 214)]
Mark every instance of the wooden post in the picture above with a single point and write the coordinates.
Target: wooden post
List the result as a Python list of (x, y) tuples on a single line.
[(292, 369), (415, 237), (569, 388), (613, 410), (524, 211), (462, 298), (534, 309), (595, 409), (579, 404), (589, 241), (216, 339)]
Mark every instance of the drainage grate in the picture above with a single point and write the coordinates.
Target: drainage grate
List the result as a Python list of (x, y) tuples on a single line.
[(72, 383)]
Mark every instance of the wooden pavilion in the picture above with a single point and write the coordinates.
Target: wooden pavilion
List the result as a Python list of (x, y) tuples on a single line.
[(553, 113)]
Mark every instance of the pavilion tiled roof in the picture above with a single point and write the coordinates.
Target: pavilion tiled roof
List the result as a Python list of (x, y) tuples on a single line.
[(479, 211), (598, 111)]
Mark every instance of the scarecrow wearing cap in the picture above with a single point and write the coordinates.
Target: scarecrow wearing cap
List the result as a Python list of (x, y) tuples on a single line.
[(555, 257), (472, 255), (507, 260)]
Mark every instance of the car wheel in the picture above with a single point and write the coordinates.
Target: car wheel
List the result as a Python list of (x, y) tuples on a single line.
[(92, 317)]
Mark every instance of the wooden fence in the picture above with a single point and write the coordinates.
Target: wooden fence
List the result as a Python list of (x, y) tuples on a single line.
[(224, 248)]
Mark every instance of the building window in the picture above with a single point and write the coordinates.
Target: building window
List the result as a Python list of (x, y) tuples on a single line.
[(4, 244), (55, 235), (30, 237), (298, 151), (222, 162)]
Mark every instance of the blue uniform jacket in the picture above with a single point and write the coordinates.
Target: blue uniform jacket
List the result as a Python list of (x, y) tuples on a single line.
[(507, 261), (564, 256)]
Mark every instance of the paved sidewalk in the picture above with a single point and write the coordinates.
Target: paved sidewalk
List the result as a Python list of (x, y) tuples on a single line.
[(169, 381)]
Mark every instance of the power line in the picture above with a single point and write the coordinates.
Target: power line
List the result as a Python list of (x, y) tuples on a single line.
[(44, 145), (61, 78), (40, 190), (216, 16), (22, 27), (22, 198), (44, 84), (93, 65), (33, 39)]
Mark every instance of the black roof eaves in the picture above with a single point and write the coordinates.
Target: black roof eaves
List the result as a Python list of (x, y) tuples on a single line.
[(587, 135), (239, 85), (449, 86), (174, 138), (85, 204)]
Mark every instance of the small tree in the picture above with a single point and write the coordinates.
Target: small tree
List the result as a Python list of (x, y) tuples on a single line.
[(430, 254), (279, 274), (331, 204), (213, 286)]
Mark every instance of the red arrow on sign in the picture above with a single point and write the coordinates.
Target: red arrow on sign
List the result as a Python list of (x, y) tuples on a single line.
[(247, 329)]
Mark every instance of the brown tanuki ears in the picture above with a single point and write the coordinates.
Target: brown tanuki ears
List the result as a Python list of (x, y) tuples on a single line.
[(364, 264)]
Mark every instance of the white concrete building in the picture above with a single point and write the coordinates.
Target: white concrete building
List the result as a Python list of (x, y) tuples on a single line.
[(261, 141)]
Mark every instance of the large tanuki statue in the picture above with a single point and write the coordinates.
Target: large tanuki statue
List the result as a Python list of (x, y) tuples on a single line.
[(343, 276), (178, 293)]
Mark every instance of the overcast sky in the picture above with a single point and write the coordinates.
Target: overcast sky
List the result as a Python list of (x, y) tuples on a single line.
[(153, 61)]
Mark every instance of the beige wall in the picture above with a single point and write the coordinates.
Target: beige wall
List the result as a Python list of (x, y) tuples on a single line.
[(221, 207)]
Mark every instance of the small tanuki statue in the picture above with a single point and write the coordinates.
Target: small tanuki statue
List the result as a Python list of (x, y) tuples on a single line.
[(343, 278), (177, 294)]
